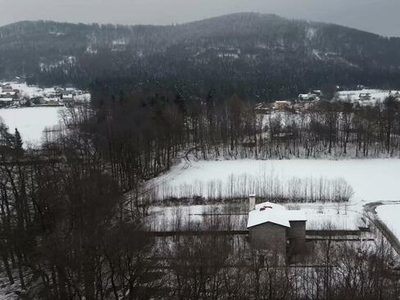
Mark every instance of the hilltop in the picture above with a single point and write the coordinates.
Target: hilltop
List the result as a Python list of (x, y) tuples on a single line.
[(255, 55)]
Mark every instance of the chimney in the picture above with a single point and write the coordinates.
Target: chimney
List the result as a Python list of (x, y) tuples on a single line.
[(252, 202)]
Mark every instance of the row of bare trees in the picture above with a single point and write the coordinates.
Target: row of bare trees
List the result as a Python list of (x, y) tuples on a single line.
[(267, 187), (141, 134)]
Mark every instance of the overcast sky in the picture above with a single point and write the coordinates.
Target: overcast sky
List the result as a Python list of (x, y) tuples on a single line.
[(379, 16)]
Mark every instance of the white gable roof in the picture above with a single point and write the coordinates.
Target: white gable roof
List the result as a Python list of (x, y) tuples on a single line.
[(274, 213), (258, 217)]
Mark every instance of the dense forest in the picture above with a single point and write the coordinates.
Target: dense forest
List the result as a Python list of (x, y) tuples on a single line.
[(257, 56)]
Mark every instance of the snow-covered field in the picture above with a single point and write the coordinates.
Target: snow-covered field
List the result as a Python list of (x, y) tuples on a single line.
[(371, 179), (31, 121), (332, 216), (376, 95), (390, 215)]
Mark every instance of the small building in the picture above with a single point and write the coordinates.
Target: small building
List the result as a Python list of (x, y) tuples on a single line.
[(7, 88), (8, 94), (282, 105), (68, 98), (364, 96), (317, 93), (262, 108), (308, 97), (38, 100), (275, 229), (4, 102)]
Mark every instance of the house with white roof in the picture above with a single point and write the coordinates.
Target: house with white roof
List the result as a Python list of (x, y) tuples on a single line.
[(6, 102), (275, 229)]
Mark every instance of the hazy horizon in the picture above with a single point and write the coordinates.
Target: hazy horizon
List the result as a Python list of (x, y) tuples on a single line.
[(369, 15)]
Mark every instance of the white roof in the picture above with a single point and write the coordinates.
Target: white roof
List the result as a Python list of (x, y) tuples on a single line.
[(6, 99), (258, 217), (274, 213)]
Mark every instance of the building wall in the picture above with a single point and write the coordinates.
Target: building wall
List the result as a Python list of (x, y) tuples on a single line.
[(296, 235), (268, 236)]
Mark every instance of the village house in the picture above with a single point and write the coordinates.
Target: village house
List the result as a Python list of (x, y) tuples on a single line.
[(68, 99), (276, 231), (282, 105), (4, 102), (7, 88), (262, 108), (364, 96), (308, 97)]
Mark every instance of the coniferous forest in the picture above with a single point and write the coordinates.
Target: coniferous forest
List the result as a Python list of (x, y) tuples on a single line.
[(259, 57)]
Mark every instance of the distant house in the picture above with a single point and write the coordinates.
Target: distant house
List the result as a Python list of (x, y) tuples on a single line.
[(7, 88), (262, 108), (282, 105), (304, 105), (364, 96), (68, 98), (308, 97), (38, 100), (8, 94), (395, 94), (317, 93), (6, 102), (274, 229)]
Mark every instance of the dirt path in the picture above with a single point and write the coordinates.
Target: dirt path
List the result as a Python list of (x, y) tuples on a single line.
[(170, 175)]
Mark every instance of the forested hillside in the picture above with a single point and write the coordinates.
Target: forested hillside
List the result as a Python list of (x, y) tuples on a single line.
[(257, 56)]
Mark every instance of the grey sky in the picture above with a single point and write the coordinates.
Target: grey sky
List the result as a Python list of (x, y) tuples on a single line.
[(379, 16)]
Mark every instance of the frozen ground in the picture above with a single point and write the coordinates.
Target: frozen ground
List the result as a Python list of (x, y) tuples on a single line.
[(332, 216), (376, 95), (390, 215), (31, 121), (371, 179)]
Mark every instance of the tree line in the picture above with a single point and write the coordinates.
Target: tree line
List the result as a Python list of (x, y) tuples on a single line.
[(142, 134)]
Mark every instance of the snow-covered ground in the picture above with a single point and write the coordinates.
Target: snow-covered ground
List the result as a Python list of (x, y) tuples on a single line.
[(390, 215), (31, 121), (371, 179), (332, 216), (319, 216), (376, 95)]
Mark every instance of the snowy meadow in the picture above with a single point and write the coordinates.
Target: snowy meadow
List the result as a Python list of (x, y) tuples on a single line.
[(369, 179), (32, 121)]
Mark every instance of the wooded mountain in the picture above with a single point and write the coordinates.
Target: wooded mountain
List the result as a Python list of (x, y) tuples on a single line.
[(257, 56)]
